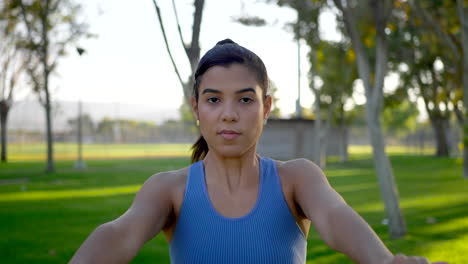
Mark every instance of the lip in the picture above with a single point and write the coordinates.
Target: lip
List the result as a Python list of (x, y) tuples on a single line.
[(229, 134)]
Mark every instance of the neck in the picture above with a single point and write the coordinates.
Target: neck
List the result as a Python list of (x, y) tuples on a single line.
[(232, 174)]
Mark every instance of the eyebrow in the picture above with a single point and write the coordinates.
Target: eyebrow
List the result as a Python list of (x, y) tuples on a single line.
[(209, 90)]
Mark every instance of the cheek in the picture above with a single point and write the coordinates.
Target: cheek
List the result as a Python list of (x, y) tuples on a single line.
[(253, 114), (205, 112)]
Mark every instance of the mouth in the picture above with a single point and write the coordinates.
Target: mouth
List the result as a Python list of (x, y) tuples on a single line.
[(229, 134)]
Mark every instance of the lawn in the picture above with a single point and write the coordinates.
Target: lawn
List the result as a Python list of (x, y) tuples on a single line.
[(68, 151), (45, 217)]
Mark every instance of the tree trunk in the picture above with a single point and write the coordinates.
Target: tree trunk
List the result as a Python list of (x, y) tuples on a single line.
[(317, 128), (50, 139), (440, 127), (317, 138), (4, 108), (46, 72), (324, 137), (374, 101), (344, 141), (386, 179), (463, 14)]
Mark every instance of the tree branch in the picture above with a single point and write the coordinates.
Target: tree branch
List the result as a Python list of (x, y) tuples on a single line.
[(158, 12), (458, 114), (26, 22), (194, 45), (432, 24), (388, 9), (358, 46), (178, 27), (381, 53)]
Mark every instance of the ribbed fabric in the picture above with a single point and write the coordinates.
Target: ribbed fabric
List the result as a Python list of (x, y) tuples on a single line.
[(267, 234)]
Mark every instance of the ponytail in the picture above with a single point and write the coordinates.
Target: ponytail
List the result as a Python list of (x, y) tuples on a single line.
[(199, 149)]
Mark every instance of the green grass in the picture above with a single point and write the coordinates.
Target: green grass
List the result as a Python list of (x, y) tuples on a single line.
[(45, 217), (68, 151)]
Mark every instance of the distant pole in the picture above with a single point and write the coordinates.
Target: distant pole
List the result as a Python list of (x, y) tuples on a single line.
[(80, 164), (298, 101)]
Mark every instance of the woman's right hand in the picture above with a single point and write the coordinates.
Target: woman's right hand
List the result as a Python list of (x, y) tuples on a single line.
[(403, 259)]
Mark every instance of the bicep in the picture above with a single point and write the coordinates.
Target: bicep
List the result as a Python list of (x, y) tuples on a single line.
[(316, 197), (148, 213)]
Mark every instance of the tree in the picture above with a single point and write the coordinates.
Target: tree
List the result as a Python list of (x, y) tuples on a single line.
[(11, 63), (373, 81), (336, 68), (330, 78), (462, 8), (48, 28), (192, 49), (440, 18), (431, 67)]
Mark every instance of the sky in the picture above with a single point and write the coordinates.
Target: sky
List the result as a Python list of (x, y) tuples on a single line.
[(128, 63)]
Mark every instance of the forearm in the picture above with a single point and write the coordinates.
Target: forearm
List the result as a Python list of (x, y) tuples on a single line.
[(106, 244), (350, 234)]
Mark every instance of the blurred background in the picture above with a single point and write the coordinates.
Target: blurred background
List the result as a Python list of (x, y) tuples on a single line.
[(94, 99)]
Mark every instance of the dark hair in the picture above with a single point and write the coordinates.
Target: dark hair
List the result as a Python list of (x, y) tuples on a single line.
[(226, 53)]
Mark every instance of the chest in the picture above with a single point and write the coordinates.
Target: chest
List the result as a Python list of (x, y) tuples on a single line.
[(237, 205)]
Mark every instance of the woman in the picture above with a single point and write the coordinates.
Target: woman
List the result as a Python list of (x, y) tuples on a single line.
[(231, 205)]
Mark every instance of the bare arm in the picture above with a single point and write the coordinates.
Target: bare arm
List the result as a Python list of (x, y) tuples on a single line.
[(118, 241), (337, 223)]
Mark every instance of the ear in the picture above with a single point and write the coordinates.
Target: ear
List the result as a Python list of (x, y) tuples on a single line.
[(267, 106), (194, 104)]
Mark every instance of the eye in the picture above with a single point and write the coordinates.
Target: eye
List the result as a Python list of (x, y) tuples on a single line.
[(213, 100), (246, 100)]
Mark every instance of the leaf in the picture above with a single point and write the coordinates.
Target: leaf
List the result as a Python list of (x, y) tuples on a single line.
[(320, 56), (350, 55), (250, 21), (369, 41), (454, 29), (441, 96)]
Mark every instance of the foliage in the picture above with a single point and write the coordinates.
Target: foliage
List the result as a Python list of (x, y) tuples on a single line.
[(336, 68), (425, 65), (275, 110), (400, 118)]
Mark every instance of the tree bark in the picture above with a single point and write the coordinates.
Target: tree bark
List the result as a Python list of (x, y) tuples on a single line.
[(344, 137), (383, 166), (317, 127), (50, 140), (440, 127), (4, 108), (324, 137)]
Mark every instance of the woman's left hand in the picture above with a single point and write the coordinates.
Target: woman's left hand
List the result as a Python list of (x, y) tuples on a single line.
[(402, 259)]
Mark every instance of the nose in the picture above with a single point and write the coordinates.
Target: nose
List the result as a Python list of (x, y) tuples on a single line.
[(229, 113)]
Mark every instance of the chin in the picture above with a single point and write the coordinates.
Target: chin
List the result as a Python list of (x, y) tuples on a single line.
[(232, 151)]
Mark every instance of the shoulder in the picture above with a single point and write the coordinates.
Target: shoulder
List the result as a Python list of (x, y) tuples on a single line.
[(311, 188), (299, 171), (167, 182)]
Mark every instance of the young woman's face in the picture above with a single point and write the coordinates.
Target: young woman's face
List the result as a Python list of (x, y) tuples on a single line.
[(230, 109)]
